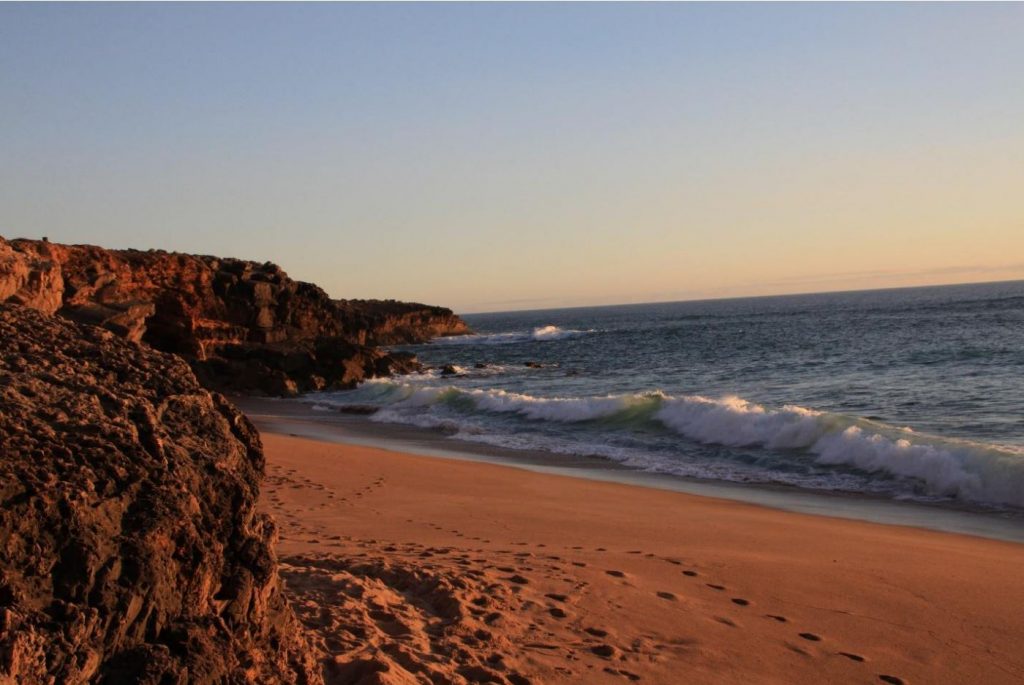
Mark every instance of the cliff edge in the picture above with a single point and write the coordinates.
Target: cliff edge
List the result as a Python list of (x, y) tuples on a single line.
[(242, 326)]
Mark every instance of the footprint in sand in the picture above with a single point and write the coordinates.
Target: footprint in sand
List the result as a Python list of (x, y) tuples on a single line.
[(740, 601), (891, 679), (557, 612), (625, 674), (715, 587), (540, 645), (616, 574), (852, 657), (811, 636), (606, 651), (667, 595), (692, 574), (596, 632)]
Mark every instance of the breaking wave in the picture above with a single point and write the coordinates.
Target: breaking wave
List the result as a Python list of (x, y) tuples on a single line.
[(539, 334), (928, 465)]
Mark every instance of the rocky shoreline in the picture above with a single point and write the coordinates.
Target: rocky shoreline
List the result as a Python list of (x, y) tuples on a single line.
[(131, 549), (243, 326)]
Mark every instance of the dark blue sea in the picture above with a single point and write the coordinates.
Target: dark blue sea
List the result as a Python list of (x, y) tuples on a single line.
[(910, 394)]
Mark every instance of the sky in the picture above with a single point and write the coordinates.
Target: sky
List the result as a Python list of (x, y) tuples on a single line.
[(493, 157)]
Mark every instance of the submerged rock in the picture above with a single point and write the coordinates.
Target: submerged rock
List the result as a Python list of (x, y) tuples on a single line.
[(452, 370), (130, 546)]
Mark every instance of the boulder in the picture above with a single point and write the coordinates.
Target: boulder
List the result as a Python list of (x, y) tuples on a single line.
[(132, 551)]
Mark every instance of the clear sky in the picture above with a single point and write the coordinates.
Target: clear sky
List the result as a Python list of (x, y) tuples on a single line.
[(503, 156)]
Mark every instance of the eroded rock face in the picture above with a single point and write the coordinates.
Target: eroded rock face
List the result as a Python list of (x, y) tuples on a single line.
[(388, 322), (130, 547), (243, 326), (32, 278)]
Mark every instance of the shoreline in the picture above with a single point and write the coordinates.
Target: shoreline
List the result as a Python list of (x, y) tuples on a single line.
[(413, 567), (296, 417)]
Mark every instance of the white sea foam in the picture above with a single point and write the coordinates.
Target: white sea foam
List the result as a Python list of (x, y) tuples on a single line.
[(736, 422), (465, 371), (942, 467), (970, 471), (540, 334), (659, 463)]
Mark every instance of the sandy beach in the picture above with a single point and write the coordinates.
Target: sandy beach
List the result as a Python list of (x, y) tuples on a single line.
[(368, 343), (421, 569)]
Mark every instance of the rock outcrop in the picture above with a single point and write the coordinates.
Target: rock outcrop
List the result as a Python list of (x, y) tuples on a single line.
[(130, 547), (243, 326), (388, 322)]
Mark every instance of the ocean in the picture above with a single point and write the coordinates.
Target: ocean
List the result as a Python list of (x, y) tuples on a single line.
[(907, 394)]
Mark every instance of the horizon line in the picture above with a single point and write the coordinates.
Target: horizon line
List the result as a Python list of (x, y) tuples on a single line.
[(745, 297)]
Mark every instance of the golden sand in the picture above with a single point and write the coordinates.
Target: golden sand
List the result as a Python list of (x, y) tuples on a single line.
[(420, 569)]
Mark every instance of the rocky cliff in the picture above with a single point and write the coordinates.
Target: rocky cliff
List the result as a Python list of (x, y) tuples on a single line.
[(388, 322), (130, 548), (243, 326)]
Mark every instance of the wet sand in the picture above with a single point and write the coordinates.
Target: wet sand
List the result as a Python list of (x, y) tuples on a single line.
[(422, 569)]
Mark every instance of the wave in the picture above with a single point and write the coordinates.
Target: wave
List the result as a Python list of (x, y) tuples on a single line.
[(539, 334), (970, 471), (933, 466)]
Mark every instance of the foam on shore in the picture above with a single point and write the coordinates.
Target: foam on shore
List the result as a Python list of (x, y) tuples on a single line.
[(799, 446)]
